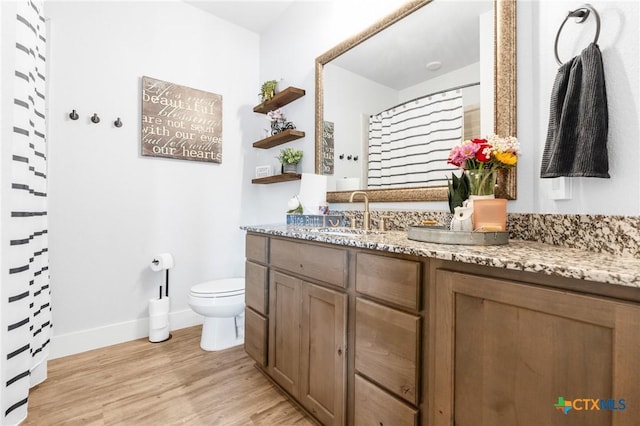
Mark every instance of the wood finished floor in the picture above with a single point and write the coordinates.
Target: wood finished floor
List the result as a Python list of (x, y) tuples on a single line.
[(169, 383)]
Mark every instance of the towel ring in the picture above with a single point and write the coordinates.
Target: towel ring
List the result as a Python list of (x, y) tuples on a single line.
[(582, 14)]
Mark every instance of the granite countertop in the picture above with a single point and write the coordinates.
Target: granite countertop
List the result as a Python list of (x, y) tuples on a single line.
[(518, 255)]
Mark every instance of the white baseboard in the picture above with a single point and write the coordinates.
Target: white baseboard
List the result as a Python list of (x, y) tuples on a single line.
[(86, 340)]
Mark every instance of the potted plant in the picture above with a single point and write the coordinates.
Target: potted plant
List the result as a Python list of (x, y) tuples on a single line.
[(268, 90), (458, 190), (289, 158)]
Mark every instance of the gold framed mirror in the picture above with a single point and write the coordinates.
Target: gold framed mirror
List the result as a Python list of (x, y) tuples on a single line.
[(504, 100)]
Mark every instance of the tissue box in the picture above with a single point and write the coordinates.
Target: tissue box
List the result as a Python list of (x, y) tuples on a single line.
[(316, 220)]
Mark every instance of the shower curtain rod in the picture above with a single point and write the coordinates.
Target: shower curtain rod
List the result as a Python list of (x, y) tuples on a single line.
[(462, 86)]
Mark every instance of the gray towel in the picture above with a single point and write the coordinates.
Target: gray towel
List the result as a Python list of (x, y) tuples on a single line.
[(578, 120)]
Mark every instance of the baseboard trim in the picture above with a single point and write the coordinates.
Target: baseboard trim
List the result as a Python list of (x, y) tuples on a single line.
[(112, 334)]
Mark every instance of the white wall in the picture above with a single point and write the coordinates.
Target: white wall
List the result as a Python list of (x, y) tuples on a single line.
[(349, 100), (311, 28), (112, 210), (620, 43), (465, 75)]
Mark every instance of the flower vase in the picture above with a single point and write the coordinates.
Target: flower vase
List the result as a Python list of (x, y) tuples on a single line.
[(482, 182), (290, 168)]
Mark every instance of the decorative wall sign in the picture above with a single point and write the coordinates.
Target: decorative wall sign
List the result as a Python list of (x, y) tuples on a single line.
[(327, 148), (180, 122)]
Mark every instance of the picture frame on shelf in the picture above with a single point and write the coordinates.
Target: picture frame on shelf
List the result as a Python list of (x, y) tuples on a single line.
[(264, 171)]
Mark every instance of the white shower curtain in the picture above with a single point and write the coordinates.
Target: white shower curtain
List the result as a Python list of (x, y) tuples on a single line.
[(409, 144), (26, 309)]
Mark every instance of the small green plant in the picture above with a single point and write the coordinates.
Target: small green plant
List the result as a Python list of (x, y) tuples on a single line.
[(268, 90), (290, 156), (458, 190)]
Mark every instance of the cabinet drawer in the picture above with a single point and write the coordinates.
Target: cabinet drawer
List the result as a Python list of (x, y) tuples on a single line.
[(321, 263), (256, 248), (373, 406), (387, 348), (255, 336), (256, 293), (393, 280)]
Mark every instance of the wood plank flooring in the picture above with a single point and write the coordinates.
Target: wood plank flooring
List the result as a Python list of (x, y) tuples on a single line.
[(169, 383)]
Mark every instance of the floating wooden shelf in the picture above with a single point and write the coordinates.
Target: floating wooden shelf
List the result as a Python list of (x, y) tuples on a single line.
[(288, 95), (284, 177), (281, 99), (279, 138)]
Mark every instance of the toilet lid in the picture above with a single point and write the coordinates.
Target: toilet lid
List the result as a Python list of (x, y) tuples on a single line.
[(225, 287)]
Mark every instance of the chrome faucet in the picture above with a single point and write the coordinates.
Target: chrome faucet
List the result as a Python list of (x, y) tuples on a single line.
[(366, 220)]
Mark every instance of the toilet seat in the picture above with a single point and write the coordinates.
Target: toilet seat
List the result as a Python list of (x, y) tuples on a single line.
[(219, 288)]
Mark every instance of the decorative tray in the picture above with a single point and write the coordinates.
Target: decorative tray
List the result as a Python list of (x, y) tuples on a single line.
[(442, 235)]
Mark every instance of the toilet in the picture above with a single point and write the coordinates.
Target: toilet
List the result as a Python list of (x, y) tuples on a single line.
[(221, 302)]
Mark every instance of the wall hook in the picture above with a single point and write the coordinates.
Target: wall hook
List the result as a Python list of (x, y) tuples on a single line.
[(118, 122), (95, 118), (349, 157), (341, 156), (355, 158), (73, 115)]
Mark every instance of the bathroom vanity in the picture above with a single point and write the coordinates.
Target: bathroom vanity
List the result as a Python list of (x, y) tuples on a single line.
[(375, 329)]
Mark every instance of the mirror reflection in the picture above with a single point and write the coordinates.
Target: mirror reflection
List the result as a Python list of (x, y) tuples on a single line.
[(393, 104)]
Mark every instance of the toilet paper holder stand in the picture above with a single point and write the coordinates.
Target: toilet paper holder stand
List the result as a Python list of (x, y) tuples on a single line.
[(166, 283), (159, 336)]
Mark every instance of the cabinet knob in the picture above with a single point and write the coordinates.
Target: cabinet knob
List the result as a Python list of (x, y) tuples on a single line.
[(340, 351)]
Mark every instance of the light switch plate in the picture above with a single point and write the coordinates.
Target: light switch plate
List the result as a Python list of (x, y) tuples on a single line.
[(560, 188)]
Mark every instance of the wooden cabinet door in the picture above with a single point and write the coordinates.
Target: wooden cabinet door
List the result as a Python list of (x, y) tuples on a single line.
[(323, 358), (284, 330), (388, 348), (257, 248), (322, 263), (255, 336), (256, 293), (375, 407), (389, 279), (514, 354)]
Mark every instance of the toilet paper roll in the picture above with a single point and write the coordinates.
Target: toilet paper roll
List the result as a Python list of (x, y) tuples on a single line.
[(159, 334), (161, 262), (348, 184), (159, 306), (158, 321)]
